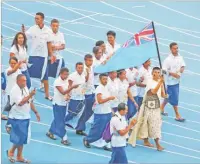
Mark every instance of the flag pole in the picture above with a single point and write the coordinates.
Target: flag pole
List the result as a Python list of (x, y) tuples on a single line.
[(156, 41)]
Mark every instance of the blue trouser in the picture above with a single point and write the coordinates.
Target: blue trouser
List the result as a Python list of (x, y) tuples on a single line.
[(118, 155), (173, 92), (54, 69), (58, 124), (19, 131), (98, 127), (115, 109), (87, 112), (140, 99), (74, 108), (3, 81), (131, 108), (28, 79)]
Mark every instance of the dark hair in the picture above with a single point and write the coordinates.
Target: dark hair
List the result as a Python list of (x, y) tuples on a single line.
[(88, 56), (95, 49), (64, 69), (79, 63), (15, 42), (119, 72), (99, 43), (111, 33), (121, 106), (103, 74), (19, 76), (156, 69), (13, 58), (54, 21), (40, 14), (172, 44)]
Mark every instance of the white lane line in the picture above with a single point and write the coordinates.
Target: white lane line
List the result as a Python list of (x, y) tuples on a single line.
[(70, 148), (171, 152), (142, 6), (190, 104), (75, 20), (196, 122), (171, 28), (182, 127), (9, 28), (176, 11)]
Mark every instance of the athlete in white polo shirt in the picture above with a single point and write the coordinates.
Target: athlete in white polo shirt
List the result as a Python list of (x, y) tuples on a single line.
[(58, 45), (111, 45), (40, 49), (77, 100), (174, 66), (19, 50), (119, 129)]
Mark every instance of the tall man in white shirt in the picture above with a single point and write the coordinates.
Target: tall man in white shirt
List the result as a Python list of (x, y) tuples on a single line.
[(119, 129), (19, 118), (102, 112), (89, 95), (111, 45), (145, 73), (39, 37), (77, 100), (174, 66), (98, 59), (58, 45), (132, 74)]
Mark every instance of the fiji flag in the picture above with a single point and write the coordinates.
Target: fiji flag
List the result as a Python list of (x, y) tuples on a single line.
[(135, 51)]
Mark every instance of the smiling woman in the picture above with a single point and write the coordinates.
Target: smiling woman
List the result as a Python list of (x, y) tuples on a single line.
[(83, 24)]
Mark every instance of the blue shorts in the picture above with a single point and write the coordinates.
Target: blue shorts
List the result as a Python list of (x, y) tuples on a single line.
[(3, 81), (173, 92), (54, 69), (20, 131), (38, 67)]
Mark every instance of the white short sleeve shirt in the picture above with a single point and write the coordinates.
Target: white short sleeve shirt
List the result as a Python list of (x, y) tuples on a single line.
[(57, 40), (113, 89), (89, 85), (147, 74), (78, 93), (11, 79), (38, 39), (122, 91), (118, 123), (105, 107), (110, 50), (132, 76), (16, 96), (59, 98), (173, 64), (21, 55)]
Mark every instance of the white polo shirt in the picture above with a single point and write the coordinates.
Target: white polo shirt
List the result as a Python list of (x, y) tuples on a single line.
[(89, 85), (110, 50), (11, 79), (113, 89), (38, 40), (118, 123), (173, 64), (105, 107), (57, 40), (21, 55), (78, 93), (132, 77), (95, 64), (59, 98), (147, 74), (122, 91), (16, 96)]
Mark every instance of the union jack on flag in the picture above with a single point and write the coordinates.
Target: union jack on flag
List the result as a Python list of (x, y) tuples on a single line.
[(144, 36)]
